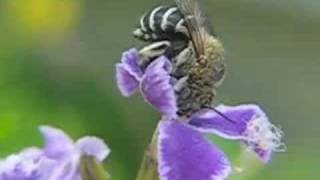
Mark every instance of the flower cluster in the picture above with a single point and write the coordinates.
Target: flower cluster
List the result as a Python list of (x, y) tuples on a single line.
[(183, 151), (59, 159)]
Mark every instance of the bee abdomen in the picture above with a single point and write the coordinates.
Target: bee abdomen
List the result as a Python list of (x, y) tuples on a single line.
[(161, 23)]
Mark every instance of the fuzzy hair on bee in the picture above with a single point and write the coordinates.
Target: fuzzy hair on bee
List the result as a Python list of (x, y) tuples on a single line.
[(198, 63)]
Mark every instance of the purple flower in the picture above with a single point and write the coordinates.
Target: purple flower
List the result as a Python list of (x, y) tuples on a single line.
[(59, 159), (183, 152), (154, 83)]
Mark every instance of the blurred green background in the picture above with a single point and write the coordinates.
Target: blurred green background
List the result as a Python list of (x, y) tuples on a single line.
[(57, 67)]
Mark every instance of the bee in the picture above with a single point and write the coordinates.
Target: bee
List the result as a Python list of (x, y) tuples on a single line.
[(198, 66)]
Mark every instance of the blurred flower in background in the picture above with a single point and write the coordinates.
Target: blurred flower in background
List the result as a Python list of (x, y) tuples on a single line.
[(49, 19), (59, 159)]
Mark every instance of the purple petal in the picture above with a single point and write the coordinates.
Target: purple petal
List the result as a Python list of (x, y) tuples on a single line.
[(67, 170), (128, 72), (93, 146), (185, 154), (21, 166), (264, 155), (58, 160), (247, 123), (126, 82), (130, 60), (47, 166), (57, 144), (156, 87), (31, 153), (211, 122), (16, 168)]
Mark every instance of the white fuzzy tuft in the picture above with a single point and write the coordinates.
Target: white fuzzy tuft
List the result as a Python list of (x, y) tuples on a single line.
[(262, 134)]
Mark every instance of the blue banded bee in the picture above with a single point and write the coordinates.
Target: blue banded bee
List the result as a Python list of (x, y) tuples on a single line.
[(182, 34)]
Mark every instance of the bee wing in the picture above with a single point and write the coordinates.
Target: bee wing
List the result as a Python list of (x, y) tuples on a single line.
[(196, 22)]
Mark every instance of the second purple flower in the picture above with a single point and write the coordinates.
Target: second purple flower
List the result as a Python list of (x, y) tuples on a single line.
[(59, 159)]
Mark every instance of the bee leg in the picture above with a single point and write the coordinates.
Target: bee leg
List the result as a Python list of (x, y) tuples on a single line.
[(153, 51), (184, 56), (179, 84)]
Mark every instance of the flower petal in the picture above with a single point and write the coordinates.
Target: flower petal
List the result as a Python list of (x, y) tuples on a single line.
[(211, 122), (247, 123), (263, 138), (128, 72), (57, 144), (67, 169), (14, 167), (58, 160), (263, 154), (23, 165), (126, 82), (156, 87), (183, 153), (31, 153), (130, 60), (93, 146)]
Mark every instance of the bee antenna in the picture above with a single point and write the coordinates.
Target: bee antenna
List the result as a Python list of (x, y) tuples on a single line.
[(221, 114)]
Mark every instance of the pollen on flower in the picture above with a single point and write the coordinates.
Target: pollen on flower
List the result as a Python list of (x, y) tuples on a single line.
[(262, 134)]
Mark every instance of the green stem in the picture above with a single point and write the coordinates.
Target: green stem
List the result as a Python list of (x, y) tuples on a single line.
[(149, 166), (91, 169), (247, 166)]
